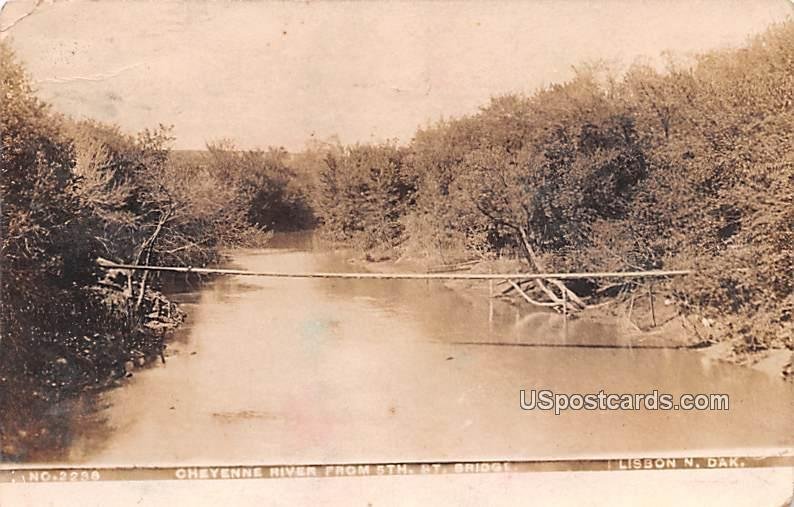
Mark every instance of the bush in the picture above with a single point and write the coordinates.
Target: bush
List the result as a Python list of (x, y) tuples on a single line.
[(362, 194)]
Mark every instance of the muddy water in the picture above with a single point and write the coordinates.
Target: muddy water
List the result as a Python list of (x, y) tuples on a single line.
[(289, 371)]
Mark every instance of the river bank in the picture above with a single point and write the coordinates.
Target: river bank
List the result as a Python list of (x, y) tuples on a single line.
[(637, 323), (36, 420)]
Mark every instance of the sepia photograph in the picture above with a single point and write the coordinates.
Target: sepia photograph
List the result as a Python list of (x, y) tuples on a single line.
[(449, 252)]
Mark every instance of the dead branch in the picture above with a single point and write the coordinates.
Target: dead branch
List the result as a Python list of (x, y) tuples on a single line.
[(149, 246), (529, 299), (571, 295), (534, 261)]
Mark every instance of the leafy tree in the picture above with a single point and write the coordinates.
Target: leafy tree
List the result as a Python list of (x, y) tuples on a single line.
[(363, 194)]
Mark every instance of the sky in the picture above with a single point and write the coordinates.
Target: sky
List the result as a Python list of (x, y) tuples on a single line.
[(267, 73)]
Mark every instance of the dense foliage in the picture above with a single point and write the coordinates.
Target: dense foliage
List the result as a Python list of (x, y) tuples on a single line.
[(364, 194), (686, 168), (74, 192)]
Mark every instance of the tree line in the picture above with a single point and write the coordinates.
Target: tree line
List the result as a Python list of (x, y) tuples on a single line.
[(686, 167), (74, 191)]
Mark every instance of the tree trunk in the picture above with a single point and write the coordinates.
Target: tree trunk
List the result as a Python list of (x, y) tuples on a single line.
[(148, 246), (570, 302)]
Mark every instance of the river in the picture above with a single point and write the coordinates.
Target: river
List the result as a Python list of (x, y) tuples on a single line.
[(311, 371)]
